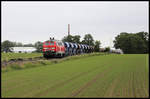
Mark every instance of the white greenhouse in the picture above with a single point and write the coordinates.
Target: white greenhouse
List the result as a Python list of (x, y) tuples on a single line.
[(23, 49)]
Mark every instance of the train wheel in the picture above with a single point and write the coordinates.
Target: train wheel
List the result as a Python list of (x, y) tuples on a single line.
[(60, 55)]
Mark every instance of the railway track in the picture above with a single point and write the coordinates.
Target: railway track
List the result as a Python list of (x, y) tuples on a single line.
[(21, 60), (35, 59)]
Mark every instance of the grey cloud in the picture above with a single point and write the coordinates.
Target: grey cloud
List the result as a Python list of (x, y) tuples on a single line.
[(35, 21)]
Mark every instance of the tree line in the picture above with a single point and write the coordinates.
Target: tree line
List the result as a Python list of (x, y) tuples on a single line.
[(88, 39), (129, 43), (132, 43)]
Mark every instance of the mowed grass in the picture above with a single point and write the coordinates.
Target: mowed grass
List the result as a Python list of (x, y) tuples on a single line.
[(8, 56), (95, 76)]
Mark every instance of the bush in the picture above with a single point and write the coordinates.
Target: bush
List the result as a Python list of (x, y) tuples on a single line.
[(107, 49), (16, 66), (30, 64), (54, 61)]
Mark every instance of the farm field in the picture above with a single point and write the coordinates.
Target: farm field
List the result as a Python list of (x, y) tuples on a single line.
[(95, 76), (8, 56)]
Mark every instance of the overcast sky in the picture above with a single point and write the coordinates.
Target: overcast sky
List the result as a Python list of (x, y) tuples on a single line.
[(28, 22)]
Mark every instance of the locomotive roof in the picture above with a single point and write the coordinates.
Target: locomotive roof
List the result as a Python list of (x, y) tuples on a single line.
[(53, 40)]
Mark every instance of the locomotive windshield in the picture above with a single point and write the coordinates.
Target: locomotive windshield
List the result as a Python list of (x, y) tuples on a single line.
[(49, 43)]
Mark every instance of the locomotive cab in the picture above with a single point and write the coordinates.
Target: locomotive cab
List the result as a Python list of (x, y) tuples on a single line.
[(49, 48), (53, 48)]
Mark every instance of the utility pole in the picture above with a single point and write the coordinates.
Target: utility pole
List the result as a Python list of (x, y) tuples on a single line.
[(68, 29)]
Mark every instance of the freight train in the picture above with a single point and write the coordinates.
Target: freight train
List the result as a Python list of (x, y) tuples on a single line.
[(57, 48)]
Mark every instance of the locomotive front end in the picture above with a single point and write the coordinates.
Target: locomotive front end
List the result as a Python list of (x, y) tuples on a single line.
[(49, 49)]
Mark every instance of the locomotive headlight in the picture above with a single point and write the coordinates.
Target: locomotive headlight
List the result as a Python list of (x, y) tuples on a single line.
[(53, 48)]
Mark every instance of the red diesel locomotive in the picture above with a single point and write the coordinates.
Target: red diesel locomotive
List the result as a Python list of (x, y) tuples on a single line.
[(57, 48), (54, 48)]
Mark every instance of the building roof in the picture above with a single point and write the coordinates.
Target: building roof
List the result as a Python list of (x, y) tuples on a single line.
[(23, 48)]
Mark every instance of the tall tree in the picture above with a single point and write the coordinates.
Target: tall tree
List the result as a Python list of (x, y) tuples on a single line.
[(131, 43), (107, 49), (88, 39), (145, 38), (68, 38), (6, 45), (97, 46), (76, 38)]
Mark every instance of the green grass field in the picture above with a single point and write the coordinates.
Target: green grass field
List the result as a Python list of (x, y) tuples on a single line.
[(8, 56), (95, 76)]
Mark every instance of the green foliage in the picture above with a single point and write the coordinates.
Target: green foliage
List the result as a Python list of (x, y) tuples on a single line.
[(39, 46), (76, 39), (6, 46), (70, 38), (132, 43), (54, 61), (30, 65), (88, 39), (107, 49), (145, 38), (97, 46), (16, 66)]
